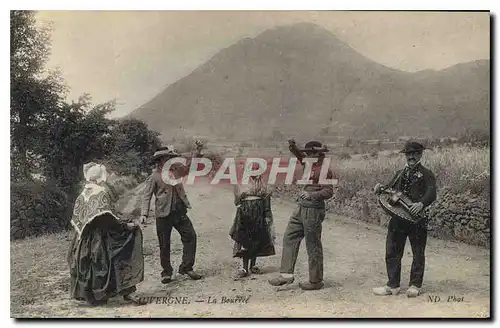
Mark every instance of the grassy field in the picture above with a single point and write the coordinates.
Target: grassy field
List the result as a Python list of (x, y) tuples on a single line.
[(458, 168)]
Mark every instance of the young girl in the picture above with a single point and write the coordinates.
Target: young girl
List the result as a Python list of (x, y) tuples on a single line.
[(253, 228)]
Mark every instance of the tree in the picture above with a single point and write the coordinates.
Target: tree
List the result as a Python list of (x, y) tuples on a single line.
[(132, 145), (35, 94), (77, 134)]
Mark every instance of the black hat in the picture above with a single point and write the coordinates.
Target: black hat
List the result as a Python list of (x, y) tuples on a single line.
[(314, 147), (166, 151), (413, 146)]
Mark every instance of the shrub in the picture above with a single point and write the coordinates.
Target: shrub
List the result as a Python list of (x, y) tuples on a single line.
[(344, 156), (127, 163), (245, 144), (38, 207), (216, 159), (41, 207)]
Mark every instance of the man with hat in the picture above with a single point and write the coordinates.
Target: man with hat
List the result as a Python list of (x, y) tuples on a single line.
[(306, 221), (171, 208), (419, 185)]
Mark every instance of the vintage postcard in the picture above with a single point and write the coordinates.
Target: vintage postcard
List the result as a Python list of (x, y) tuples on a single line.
[(250, 164)]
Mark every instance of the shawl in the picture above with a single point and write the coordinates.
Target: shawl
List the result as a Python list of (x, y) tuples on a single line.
[(94, 201)]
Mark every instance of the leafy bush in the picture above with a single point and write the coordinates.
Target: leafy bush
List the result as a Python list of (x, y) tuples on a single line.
[(245, 144), (38, 207), (344, 156), (216, 159), (41, 207), (128, 163)]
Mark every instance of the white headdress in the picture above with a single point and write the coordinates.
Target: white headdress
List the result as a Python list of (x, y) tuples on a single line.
[(94, 172)]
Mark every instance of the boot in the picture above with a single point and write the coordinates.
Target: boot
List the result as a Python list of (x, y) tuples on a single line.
[(255, 270), (166, 279), (134, 299), (242, 273), (193, 275), (413, 291), (311, 285), (280, 281), (385, 290)]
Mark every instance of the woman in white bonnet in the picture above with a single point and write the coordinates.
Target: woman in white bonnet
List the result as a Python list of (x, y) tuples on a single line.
[(105, 256)]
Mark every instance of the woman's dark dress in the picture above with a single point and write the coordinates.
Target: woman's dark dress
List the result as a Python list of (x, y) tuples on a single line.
[(107, 260), (250, 229)]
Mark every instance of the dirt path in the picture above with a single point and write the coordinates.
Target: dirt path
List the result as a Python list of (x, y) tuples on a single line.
[(458, 274)]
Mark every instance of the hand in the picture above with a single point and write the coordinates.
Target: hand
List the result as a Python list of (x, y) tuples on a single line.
[(272, 231), (415, 208), (305, 195), (377, 188), (132, 225), (198, 145)]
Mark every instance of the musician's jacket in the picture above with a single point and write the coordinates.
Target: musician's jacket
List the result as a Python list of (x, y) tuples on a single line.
[(318, 193), (168, 198), (417, 183)]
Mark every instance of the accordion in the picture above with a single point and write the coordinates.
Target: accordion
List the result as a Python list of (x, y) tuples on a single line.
[(394, 203)]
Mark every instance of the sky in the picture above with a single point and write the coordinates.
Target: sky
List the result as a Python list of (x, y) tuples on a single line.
[(131, 56)]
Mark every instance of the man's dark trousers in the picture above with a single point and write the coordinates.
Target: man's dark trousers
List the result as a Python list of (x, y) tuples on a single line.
[(304, 222), (181, 222), (397, 233)]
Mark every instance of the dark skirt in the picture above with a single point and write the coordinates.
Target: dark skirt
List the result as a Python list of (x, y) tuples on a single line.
[(108, 262), (250, 231)]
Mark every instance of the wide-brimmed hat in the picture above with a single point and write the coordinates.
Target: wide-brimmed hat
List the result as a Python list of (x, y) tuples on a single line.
[(413, 146), (166, 151), (314, 147)]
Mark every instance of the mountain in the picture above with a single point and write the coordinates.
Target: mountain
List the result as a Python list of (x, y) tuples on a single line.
[(302, 81)]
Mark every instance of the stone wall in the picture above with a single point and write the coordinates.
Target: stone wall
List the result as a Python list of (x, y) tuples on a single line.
[(464, 217)]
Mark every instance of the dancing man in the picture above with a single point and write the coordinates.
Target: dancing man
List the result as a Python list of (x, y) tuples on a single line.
[(171, 207), (306, 221)]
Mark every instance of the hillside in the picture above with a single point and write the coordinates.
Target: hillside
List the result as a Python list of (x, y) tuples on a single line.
[(302, 81)]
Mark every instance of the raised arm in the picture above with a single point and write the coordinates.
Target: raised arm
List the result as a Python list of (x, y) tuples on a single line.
[(195, 153), (292, 146)]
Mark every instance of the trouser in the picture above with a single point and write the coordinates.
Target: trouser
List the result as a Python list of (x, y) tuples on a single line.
[(183, 225), (398, 230), (304, 222)]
